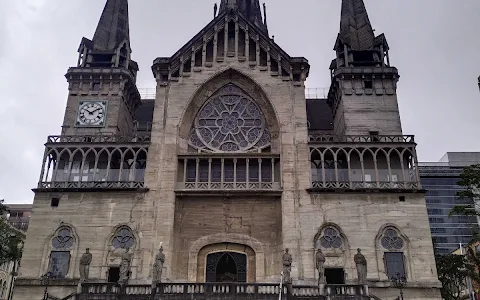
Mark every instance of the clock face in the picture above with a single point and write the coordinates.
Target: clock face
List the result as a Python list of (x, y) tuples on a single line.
[(92, 113)]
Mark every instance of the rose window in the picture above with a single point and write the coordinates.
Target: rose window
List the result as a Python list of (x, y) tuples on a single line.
[(64, 239), (391, 240), (331, 238), (230, 121)]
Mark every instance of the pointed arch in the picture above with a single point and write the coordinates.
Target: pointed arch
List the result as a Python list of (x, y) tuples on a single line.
[(243, 82), (393, 252)]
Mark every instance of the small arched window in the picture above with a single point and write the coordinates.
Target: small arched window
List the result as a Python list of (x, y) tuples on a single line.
[(330, 238), (393, 245), (123, 238), (62, 243)]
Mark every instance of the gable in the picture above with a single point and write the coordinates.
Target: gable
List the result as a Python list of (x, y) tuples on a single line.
[(227, 36)]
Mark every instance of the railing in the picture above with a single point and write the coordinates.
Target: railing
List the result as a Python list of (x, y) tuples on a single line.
[(97, 139), (220, 291), (20, 223), (91, 185), (147, 93), (310, 93), (329, 138), (316, 93), (254, 173), (358, 185)]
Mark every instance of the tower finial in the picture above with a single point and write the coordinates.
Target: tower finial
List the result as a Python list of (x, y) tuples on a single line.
[(355, 28), (215, 8)]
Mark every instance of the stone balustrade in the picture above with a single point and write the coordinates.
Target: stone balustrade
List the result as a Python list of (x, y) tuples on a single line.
[(229, 173), (220, 291)]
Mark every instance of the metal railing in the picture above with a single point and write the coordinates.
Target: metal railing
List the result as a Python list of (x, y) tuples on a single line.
[(330, 138), (98, 139), (310, 93), (316, 93), (147, 93), (20, 223)]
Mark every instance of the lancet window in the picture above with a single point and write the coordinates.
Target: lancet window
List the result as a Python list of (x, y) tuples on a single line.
[(393, 245), (230, 121), (62, 243)]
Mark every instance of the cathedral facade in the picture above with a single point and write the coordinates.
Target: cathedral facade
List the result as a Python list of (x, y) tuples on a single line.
[(229, 166)]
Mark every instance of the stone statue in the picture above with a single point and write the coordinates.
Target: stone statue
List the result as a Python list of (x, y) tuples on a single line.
[(320, 263), (158, 266), (361, 264), (287, 267), (85, 261), (125, 267)]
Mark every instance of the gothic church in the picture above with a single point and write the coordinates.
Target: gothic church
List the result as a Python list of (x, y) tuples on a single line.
[(226, 168)]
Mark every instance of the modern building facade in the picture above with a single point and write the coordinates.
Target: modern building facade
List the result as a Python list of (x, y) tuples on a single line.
[(440, 180), (228, 167)]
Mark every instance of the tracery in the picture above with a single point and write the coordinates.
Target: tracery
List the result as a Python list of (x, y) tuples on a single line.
[(230, 121)]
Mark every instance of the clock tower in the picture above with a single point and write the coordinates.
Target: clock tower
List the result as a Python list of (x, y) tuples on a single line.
[(102, 92)]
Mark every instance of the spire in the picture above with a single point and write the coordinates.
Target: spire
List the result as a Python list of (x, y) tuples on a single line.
[(355, 28), (110, 46), (113, 26), (250, 9)]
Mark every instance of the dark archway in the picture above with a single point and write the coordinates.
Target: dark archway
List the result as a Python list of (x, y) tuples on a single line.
[(226, 267)]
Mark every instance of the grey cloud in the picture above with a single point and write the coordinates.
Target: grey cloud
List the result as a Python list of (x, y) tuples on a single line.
[(434, 44)]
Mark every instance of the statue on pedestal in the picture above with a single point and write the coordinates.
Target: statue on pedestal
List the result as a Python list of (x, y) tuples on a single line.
[(287, 267), (125, 267), (158, 266), (361, 264), (85, 261), (320, 263)]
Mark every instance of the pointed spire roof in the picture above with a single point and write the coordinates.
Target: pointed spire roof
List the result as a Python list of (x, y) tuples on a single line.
[(355, 28), (113, 27), (250, 9)]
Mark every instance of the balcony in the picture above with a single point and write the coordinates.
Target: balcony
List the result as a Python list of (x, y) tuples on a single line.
[(219, 291), (20, 223), (225, 174), (363, 163), (91, 163)]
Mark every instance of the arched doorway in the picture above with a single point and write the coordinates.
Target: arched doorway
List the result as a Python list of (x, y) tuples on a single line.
[(226, 267)]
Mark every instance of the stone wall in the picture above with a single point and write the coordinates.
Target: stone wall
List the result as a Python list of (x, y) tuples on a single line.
[(251, 221)]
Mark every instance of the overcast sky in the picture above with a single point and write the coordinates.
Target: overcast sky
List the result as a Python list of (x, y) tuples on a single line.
[(434, 44)]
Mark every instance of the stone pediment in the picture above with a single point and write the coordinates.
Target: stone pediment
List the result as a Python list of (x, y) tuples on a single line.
[(231, 36)]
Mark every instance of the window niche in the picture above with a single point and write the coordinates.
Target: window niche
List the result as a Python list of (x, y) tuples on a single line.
[(123, 238), (393, 246), (60, 256)]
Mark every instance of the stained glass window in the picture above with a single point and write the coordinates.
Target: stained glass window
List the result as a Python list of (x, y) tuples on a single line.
[(391, 240), (59, 263), (230, 121), (331, 238), (64, 239), (123, 238)]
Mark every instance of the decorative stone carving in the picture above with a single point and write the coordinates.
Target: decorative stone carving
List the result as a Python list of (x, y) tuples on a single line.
[(125, 267), (158, 266), (320, 264), (230, 121), (85, 261), (287, 267), (361, 264)]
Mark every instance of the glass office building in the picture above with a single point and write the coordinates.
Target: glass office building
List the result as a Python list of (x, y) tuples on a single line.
[(440, 180)]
